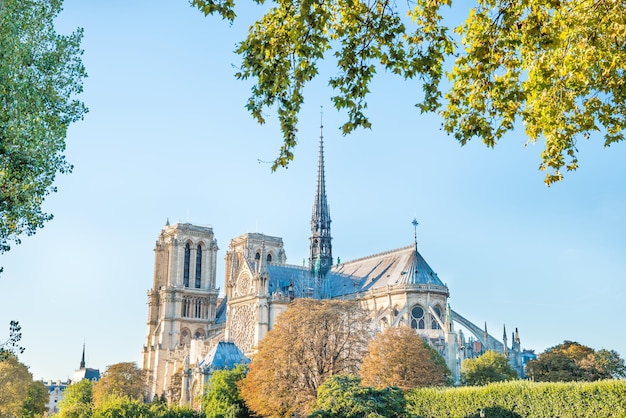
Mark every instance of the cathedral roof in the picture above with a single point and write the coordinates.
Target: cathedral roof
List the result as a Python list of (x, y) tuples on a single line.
[(401, 267), (281, 276), (404, 266), (220, 311), (225, 355)]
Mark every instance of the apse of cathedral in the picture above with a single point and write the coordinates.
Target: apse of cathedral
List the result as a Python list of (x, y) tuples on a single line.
[(192, 331)]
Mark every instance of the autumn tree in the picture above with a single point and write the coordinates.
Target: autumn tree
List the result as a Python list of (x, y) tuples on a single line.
[(555, 66), (571, 361), (489, 367), (610, 362), (120, 380), (344, 396), (19, 394), (40, 72), (11, 345), (399, 357), (310, 342), (223, 398)]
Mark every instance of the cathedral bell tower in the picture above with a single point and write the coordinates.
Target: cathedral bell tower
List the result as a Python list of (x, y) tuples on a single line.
[(182, 302), (321, 254)]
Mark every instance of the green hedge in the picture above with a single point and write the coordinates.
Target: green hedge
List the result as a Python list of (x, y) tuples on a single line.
[(516, 399)]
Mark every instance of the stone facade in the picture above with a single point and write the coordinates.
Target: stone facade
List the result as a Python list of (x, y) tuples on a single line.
[(182, 304)]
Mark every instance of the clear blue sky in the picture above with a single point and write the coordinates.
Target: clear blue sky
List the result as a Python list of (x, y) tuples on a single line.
[(167, 136)]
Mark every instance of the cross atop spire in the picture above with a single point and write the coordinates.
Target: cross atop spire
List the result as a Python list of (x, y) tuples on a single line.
[(320, 256)]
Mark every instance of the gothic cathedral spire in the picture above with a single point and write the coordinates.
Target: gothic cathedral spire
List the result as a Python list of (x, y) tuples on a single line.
[(321, 255), (82, 360)]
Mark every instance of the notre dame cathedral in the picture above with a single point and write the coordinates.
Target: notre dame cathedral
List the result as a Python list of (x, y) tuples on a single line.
[(193, 331)]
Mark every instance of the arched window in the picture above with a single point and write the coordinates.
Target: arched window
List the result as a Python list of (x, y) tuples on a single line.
[(257, 257), (185, 336), (435, 324), (417, 318), (198, 266), (186, 265), (269, 258), (186, 308)]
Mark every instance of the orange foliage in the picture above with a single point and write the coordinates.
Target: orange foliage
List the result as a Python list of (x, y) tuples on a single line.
[(311, 341), (399, 357)]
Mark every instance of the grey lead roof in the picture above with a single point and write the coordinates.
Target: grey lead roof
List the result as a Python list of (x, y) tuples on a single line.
[(224, 356), (220, 311), (404, 266), (282, 276)]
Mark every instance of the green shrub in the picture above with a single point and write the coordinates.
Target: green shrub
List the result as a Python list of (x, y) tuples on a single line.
[(605, 398), (343, 396)]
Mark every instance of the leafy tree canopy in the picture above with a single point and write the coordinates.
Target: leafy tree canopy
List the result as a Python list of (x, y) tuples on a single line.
[(311, 341), (611, 363), (223, 399), (488, 368), (40, 73), (399, 357), (36, 402), (571, 361), (121, 407), (19, 394), (11, 345), (122, 380), (343, 396), (77, 400), (557, 66), (163, 411)]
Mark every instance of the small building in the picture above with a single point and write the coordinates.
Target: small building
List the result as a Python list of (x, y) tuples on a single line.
[(56, 389), (55, 392)]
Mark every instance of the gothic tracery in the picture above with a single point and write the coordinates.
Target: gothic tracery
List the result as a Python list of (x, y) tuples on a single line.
[(242, 326)]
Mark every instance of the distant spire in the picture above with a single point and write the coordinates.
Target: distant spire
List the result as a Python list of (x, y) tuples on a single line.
[(486, 337), (82, 361), (167, 222), (504, 341), (320, 244), (415, 223)]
